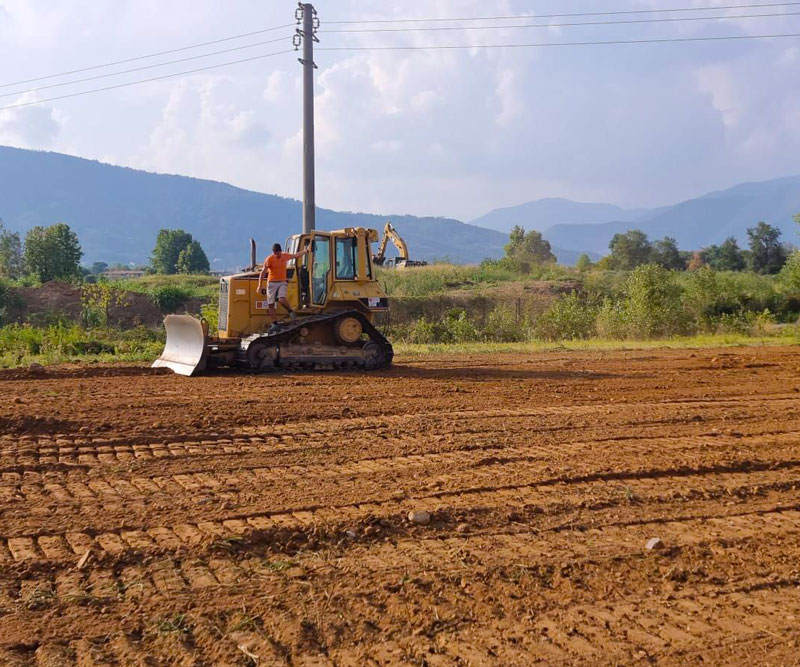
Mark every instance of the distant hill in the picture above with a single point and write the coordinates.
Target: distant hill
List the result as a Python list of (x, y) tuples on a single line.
[(117, 212), (699, 222), (544, 213)]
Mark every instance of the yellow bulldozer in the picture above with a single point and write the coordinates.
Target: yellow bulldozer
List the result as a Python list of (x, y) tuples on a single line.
[(402, 260), (334, 293), (332, 289)]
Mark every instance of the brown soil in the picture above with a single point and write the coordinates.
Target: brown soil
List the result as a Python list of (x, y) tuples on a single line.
[(235, 516), (40, 305)]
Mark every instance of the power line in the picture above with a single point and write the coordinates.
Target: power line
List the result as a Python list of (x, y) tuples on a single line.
[(541, 44), (574, 14), (149, 55), (406, 48), (155, 78), (139, 69), (563, 25)]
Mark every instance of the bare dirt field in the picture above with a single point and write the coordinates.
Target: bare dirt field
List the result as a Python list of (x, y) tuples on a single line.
[(240, 519)]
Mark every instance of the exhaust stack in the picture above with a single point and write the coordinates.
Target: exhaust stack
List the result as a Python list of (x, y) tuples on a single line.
[(252, 254)]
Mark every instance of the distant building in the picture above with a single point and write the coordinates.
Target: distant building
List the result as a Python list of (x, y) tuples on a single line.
[(123, 273)]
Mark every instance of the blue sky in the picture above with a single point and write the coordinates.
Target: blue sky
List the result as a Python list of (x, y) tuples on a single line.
[(451, 133)]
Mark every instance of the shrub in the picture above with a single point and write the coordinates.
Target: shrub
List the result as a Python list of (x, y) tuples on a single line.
[(567, 318), (139, 341), (423, 331), (601, 284), (210, 313), (454, 327), (610, 321), (789, 277), (703, 299), (168, 298), (651, 306), (18, 340), (97, 300), (504, 326)]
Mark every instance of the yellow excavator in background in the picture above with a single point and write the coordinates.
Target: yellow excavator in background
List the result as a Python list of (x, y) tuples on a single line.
[(333, 291), (401, 261)]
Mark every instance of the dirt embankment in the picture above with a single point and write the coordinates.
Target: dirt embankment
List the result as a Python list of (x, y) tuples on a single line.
[(147, 518), (55, 299), (521, 298)]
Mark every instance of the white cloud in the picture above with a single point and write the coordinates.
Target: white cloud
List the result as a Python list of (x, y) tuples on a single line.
[(30, 126), (428, 132)]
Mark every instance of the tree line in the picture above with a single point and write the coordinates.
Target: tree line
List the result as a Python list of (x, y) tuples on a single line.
[(765, 254), (54, 253)]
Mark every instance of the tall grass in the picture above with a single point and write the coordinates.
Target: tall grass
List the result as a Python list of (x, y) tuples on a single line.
[(22, 344), (439, 278), (192, 285), (647, 303)]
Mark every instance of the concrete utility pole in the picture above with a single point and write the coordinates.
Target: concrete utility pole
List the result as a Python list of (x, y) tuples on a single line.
[(306, 14)]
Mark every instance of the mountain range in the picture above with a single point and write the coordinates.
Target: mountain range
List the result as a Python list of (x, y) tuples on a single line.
[(694, 223), (544, 213), (117, 212), (702, 221)]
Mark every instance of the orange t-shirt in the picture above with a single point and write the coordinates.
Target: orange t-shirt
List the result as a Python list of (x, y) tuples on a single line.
[(276, 268)]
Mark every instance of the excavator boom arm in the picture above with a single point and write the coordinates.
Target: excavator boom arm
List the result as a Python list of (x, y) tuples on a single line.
[(390, 232)]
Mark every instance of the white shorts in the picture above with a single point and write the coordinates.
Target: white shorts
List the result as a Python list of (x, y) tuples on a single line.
[(275, 291)]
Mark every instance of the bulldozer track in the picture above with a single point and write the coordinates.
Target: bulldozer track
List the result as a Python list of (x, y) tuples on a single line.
[(152, 519), (637, 488)]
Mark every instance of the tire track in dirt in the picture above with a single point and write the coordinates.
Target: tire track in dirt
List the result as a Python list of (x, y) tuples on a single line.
[(217, 524), (619, 629), (546, 498)]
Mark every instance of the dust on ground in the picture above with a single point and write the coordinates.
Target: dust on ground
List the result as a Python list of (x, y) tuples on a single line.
[(147, 518)]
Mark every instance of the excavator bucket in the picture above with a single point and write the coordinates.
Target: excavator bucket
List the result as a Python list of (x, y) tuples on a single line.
[(186, 348)]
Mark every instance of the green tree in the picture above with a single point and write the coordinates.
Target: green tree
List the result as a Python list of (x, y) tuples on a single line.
[(515, 240), (629, 250), (10, 253), (726, 257), (767, 255), (665, 253), (528, 248), (98, 268), (52, 253), (583, 263), (169, 244), (192, 259)]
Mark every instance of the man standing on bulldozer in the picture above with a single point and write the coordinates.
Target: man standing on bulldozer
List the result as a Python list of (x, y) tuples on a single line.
[(277, 284)]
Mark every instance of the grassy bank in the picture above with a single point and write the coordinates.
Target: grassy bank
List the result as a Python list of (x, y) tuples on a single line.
[(441, 278), (783, 336), (192, 286), (22, 346)]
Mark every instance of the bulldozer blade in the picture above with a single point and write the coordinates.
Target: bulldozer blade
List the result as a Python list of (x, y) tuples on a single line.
[(186, 348)]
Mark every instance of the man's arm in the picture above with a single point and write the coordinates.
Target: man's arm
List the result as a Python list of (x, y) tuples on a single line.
[(261, 275), (298, 254)]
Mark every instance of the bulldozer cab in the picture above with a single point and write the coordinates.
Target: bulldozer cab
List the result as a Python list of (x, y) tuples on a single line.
[(338, 266)]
